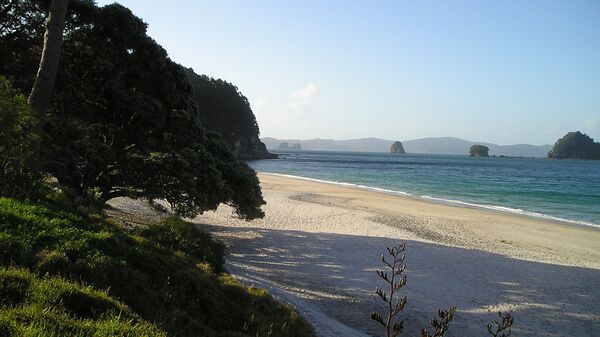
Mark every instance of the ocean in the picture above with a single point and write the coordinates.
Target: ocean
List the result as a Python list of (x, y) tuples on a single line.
[(564, 190)]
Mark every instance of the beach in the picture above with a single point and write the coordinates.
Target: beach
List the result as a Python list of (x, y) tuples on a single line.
[(319, 245)]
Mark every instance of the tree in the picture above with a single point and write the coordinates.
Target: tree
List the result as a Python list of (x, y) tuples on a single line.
[(21, 33), (44, 81), (126, 124), (123, 120), (479, 151)]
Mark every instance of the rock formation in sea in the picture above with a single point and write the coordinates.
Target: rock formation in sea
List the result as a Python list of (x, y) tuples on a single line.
[(397, 147), (479, 151), (286, 146)]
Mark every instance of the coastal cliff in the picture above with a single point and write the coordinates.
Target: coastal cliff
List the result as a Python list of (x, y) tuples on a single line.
[(251, 148), (225, 110)]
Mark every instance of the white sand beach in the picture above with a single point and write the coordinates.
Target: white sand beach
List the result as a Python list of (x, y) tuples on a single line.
[(319, 245)]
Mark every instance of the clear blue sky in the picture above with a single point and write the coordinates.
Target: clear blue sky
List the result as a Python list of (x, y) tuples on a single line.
[(500, 71)]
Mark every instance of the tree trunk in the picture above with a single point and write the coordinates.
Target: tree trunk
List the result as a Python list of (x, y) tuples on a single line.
[(46, 75)]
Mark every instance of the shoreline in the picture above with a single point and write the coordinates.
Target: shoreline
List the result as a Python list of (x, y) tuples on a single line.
[(448, 202), (515, 235), (319, 244)]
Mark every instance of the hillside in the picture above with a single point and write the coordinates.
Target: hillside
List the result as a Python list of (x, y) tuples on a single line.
[(225, 110), (433, 145), (65, 274)]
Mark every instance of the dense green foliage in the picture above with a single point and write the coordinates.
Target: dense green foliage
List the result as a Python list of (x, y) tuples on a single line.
[(223, 108), (168, 274), (20, 176), (21, 30), (479, 151), (49, 306), (124, 121), (575, 145)]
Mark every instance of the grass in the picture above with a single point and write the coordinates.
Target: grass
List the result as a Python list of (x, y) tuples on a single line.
[(170, 275), (51, 306)]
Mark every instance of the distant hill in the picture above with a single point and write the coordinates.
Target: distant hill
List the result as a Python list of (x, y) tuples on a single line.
[(437, 145), (362, 145), (451, 145)]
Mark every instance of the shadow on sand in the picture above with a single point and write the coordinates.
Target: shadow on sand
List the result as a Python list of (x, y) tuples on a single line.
[(335, 273)]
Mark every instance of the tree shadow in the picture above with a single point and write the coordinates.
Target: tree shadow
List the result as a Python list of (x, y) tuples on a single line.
[(335, 273)]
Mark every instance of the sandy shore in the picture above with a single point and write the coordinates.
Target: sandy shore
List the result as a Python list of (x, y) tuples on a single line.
[(319, 245)]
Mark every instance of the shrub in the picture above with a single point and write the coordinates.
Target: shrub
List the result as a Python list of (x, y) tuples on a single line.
[(19, 173), (66, 198), (179, 236), (392, 275)]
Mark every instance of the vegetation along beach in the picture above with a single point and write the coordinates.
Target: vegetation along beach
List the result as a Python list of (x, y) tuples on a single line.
[(299, 169)]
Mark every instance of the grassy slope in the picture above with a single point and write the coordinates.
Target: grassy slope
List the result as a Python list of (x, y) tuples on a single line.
[(50, 306), (170, 275)]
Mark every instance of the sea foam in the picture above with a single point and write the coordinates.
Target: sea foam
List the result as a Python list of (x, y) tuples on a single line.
[(453, 202)]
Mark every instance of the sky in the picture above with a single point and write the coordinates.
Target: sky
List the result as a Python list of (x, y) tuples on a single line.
[(511, 71)]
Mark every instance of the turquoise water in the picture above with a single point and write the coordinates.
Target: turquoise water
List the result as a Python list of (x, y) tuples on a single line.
[(567, 190)]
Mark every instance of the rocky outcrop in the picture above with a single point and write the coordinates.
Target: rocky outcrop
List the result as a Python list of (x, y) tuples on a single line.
[(251, 148), (397, 147), (479, 151), (286, 146)]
